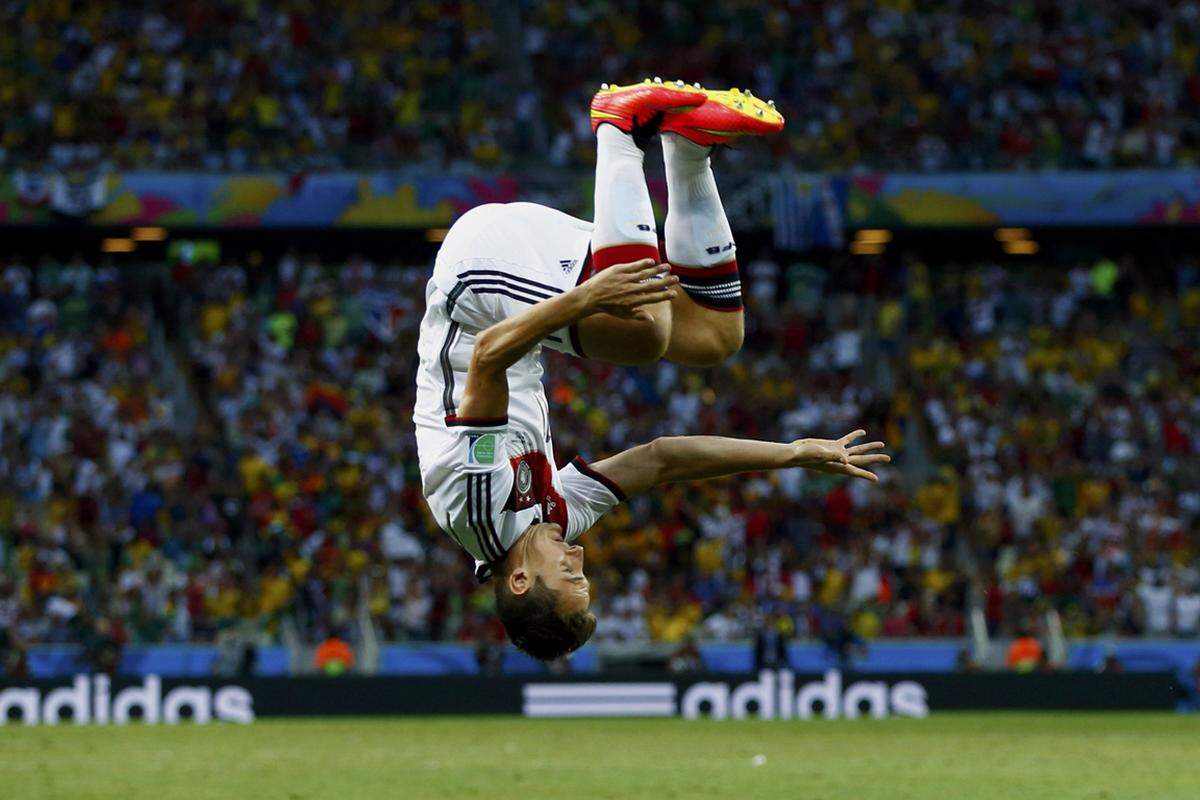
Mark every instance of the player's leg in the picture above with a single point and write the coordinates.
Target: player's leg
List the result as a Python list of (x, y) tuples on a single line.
[(623, 231), (707, 324), (707, 314), (625, 118)]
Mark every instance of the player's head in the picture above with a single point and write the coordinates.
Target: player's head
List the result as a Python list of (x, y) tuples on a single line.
[(542, 595)]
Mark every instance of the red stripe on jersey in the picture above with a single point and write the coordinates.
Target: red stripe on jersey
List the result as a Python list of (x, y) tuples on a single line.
[(478, 422)]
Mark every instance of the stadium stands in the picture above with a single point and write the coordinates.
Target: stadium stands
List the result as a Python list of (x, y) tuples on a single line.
[(187, 451), (297, 86)]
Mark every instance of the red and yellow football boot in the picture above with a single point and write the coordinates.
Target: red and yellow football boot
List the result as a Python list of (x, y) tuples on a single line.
[(725, 115), (633, 108)]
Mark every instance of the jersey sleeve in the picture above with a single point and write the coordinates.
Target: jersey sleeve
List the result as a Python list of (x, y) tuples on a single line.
[(589, 496), (487, 290), (565, 341)]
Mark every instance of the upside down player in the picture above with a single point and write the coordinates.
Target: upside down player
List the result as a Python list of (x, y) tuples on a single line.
[(511, 278)]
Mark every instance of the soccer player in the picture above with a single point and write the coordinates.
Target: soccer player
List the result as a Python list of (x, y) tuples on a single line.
[(512, 278)]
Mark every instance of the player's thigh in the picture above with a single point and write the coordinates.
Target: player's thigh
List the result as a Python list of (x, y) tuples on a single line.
[(702, 337), (626, 341)]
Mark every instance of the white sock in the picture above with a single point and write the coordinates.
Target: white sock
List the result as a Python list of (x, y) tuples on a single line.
[(623, 226), (697, 232), (698, 237)]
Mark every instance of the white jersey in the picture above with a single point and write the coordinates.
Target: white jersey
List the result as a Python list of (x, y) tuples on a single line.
[(488, 480)]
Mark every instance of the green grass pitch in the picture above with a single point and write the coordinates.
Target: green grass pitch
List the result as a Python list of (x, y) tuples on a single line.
[(948, 756)]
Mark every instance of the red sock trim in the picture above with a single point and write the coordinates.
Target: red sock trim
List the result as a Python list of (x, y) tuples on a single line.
[(622, 254), (728, 268)]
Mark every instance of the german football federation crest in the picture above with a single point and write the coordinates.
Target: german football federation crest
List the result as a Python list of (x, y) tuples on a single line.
[(533, 487), (524, 478)]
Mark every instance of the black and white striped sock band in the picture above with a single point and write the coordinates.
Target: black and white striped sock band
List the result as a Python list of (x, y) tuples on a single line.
[(718, 288)]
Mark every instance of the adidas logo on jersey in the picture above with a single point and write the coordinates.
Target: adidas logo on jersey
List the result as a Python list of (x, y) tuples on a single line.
[(568, 264)]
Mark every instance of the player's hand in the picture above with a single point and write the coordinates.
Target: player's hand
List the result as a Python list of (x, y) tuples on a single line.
[(622, 289), (840, 456)]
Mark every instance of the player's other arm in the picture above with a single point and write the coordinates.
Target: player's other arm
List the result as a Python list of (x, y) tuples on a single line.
[(689, 458), (621, 290)]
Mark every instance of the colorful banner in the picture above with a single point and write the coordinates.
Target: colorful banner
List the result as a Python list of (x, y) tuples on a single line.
[(1135, 197), (265, 200), (806, 209)]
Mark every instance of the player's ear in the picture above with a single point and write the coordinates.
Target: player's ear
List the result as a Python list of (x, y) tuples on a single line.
[(519, 580)]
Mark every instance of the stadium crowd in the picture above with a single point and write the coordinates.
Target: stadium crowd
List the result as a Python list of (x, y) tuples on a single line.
[(193, 449), (298, 84)]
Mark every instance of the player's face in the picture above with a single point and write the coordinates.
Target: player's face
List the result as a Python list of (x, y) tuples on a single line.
[(559, 565)]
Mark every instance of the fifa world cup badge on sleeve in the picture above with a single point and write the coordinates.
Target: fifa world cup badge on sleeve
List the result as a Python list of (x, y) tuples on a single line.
[(481, 449)]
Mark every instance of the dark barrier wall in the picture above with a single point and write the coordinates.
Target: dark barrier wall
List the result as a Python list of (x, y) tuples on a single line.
[(773, 694)]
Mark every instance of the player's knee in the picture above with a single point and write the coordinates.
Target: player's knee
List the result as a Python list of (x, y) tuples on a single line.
[(729, 340), (650, 343), (715, 346)]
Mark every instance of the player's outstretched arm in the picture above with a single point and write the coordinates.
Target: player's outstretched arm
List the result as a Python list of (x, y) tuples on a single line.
[(689, 458), (621, 290)]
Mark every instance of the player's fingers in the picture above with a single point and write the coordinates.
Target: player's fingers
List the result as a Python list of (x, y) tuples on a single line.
[(858, 472), (873, 458), (864, 448), (850, 437), (640, 266), (651, 271), (652, 297), (659, 279), (655, 284), (635, 266)]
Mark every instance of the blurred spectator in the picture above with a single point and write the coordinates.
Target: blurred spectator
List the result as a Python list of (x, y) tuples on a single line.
[(1186, 611), (14, 661), (686, 658), (1025, 654), (771, 641), (1155, 599), (489, 648), (102, 641), (334, 656), (839, 638), (237, 652)]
